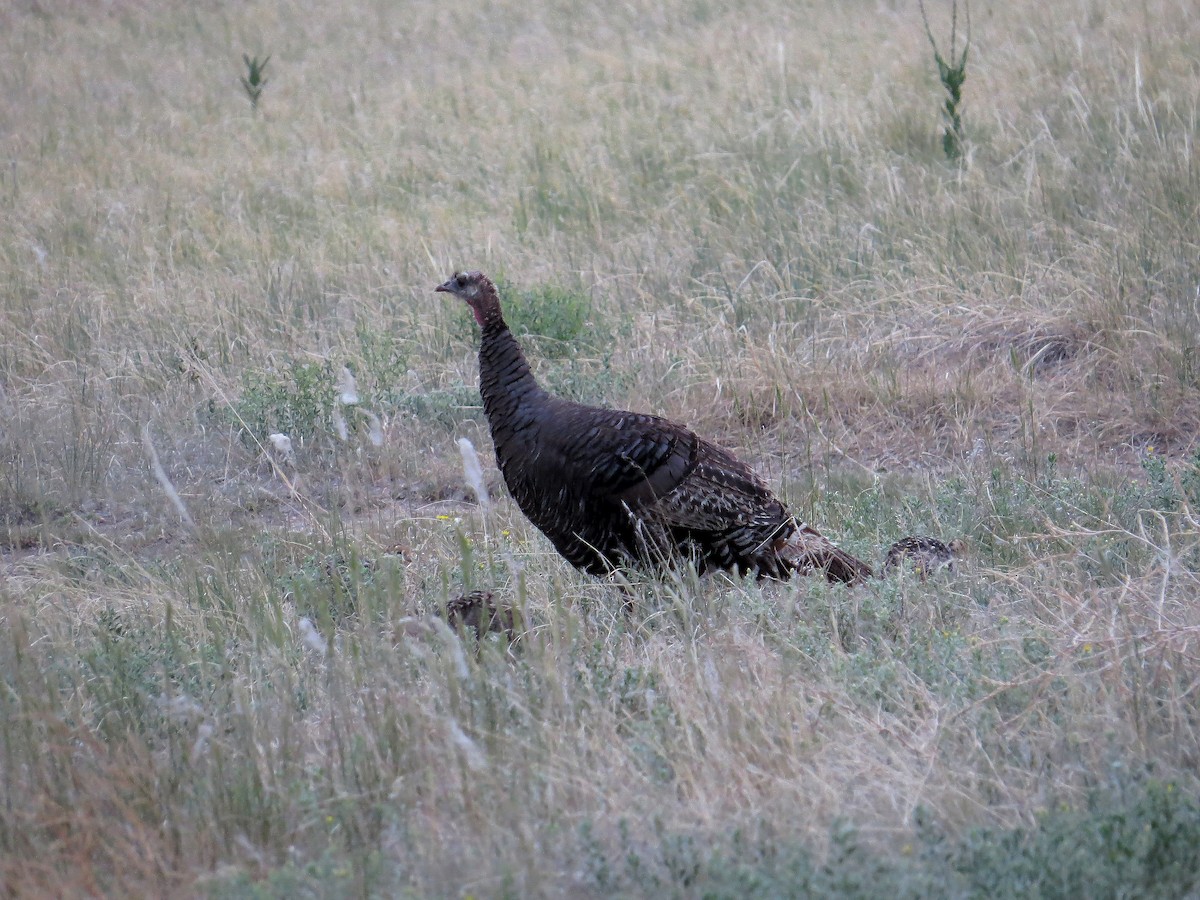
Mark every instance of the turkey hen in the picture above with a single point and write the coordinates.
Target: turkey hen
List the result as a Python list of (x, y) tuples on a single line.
[(612, 488)]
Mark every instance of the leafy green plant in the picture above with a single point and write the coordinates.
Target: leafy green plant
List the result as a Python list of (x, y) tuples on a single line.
[(548, 311), (446, 408), (550, 319), (255, 80), (1190, 479), (383, 358), (952, 74), (328, 585), (1141, 842), (586, 380), (1146, 844), (296, 400), (1162, 493), (134, 669)]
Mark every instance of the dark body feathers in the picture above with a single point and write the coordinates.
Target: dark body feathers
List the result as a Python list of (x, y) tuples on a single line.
[(612, 488)]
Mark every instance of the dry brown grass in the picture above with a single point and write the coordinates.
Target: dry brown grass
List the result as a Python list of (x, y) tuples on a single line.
[(751, 207)]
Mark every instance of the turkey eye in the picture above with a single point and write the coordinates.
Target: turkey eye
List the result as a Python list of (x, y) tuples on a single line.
[(461, 279)]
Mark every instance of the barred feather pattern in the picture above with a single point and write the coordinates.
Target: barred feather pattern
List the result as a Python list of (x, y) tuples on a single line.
[(479, 612), (611, 488), (924, 555)]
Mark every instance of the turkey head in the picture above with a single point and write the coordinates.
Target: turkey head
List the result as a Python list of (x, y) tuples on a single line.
[(477, 291)]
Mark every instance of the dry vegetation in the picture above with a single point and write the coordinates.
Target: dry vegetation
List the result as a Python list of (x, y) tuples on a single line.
[(736, 215)]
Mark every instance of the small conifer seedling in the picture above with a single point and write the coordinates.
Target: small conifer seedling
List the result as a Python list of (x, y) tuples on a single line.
[(255, 80), (952, 74)]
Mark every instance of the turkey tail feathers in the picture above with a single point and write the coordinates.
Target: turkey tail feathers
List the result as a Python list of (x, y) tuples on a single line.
[(808, 551)]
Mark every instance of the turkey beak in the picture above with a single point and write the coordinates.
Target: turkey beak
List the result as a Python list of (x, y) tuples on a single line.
[(447, 287)]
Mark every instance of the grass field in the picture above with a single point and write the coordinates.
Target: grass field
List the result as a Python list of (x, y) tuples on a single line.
[(218, 671)]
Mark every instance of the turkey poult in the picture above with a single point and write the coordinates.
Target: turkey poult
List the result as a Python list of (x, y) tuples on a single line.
[(479, 612), (612, 488), (924, 555)]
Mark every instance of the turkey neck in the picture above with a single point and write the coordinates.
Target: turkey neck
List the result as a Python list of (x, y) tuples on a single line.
[(510, 392)]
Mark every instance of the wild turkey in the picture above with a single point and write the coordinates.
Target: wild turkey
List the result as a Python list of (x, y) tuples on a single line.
[(478, 611), (612, 488), (925, 555)]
